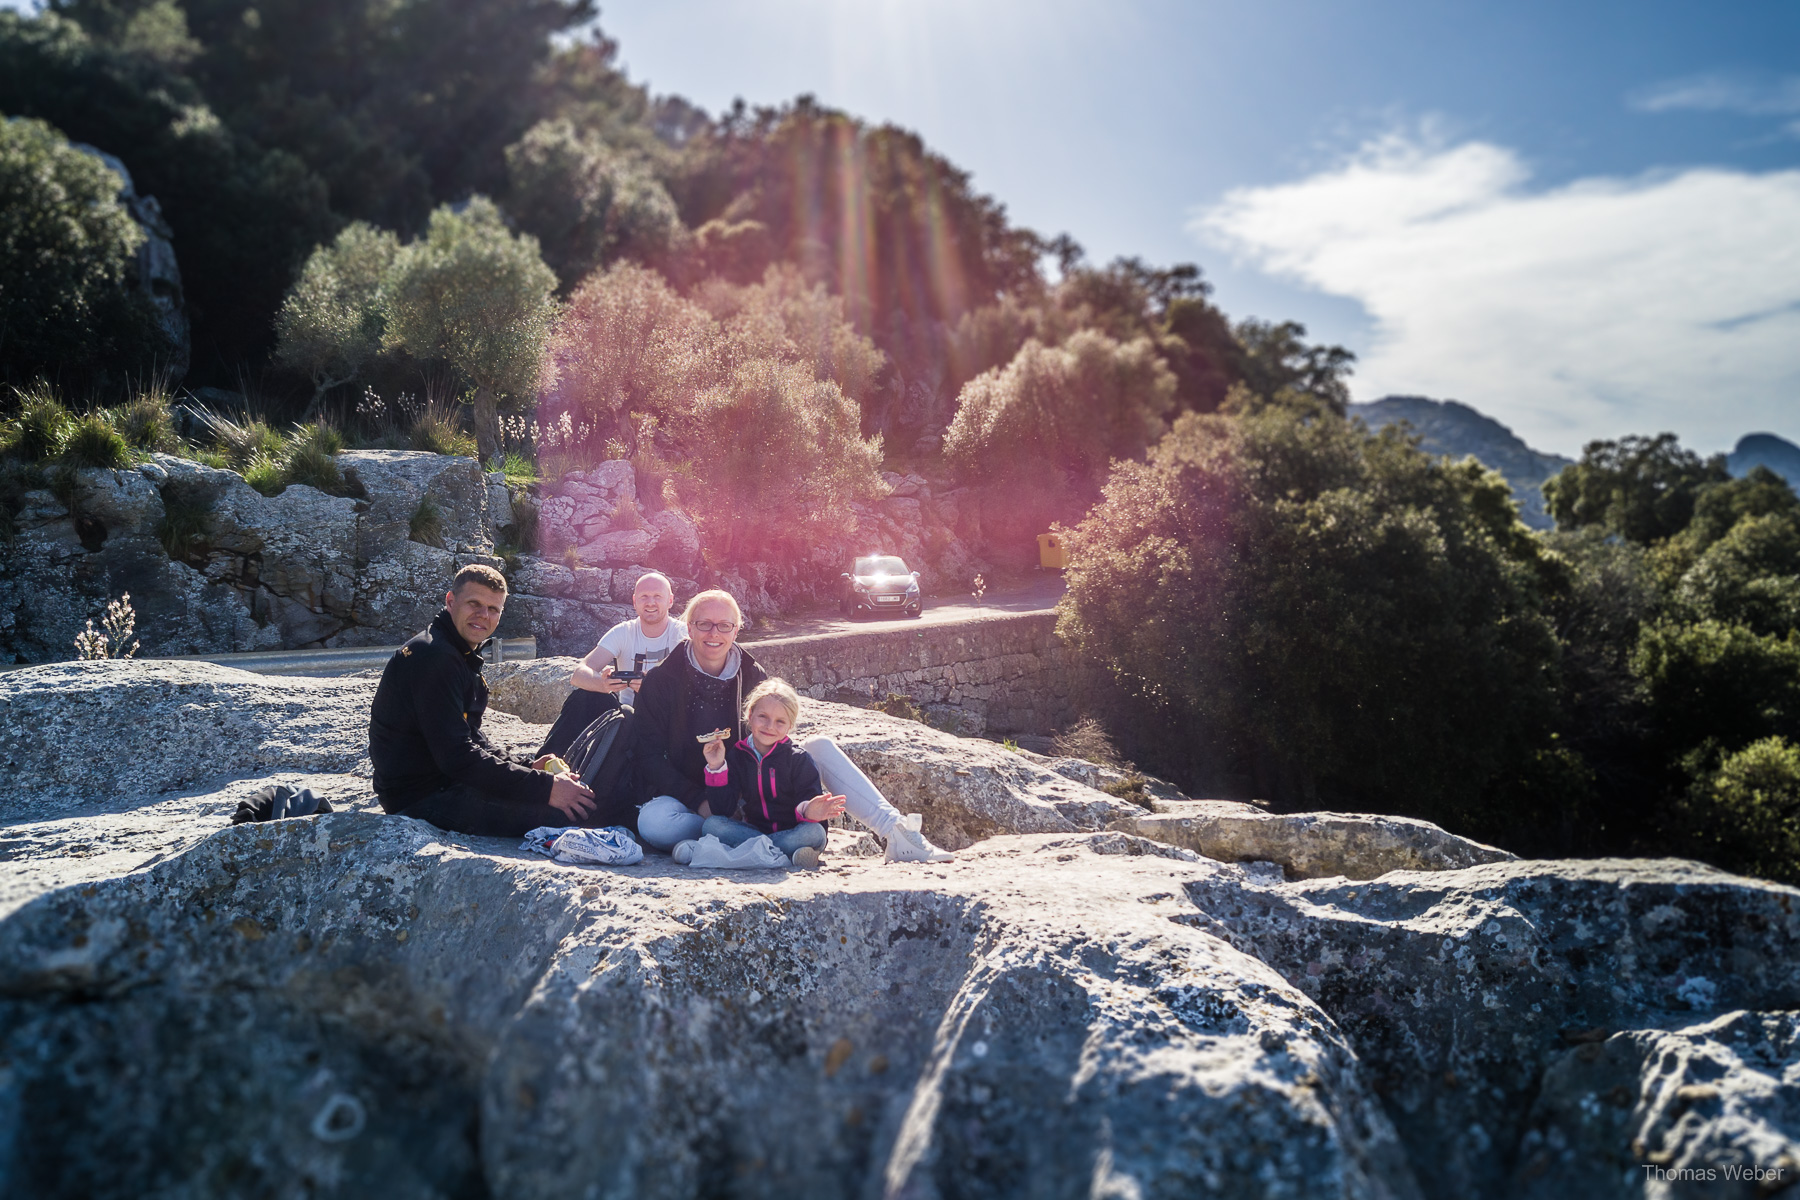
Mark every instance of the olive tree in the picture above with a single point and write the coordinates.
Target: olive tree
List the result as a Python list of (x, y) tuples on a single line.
[(330, 324), (478, 296), (627, 343)]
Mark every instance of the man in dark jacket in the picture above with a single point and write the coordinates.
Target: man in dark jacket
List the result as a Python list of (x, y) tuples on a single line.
[(699, 689), (431, 759)]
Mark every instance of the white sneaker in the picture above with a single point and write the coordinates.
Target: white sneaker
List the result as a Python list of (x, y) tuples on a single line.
[(907, 844), (683, 852), (806, 859)]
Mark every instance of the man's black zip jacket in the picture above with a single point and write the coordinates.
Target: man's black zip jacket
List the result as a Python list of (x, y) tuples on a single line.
[(425, 726)]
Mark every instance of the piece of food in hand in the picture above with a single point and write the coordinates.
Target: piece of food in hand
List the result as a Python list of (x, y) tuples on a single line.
[(714, 736), (555, 765)]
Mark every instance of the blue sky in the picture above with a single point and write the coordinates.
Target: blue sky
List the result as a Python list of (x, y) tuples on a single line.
[(1582, 218)]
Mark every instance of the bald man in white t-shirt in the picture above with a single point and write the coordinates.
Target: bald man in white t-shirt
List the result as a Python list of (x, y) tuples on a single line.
[(636, 645)]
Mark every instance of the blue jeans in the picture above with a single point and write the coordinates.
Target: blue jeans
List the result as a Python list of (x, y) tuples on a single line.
[(736, 833), (665, 821)]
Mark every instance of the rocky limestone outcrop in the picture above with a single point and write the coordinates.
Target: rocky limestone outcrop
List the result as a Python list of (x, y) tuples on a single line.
[(155, 273), (356, 1003), (214, 566)]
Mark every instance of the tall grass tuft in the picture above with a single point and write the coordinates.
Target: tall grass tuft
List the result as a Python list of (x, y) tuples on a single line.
[(438, 429), (93, 442), (146, 423), (427, 526), (37, 432)]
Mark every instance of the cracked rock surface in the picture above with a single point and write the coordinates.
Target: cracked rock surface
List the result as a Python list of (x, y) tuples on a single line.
[(356, 1004)]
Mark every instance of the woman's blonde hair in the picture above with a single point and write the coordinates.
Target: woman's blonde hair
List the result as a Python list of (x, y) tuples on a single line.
[(783, 693), (737, 614)]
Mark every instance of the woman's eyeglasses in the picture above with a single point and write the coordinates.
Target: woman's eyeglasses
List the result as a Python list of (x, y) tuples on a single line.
[(713, 626)]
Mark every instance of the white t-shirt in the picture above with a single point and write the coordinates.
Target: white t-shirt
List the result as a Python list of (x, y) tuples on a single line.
[(626, 640)]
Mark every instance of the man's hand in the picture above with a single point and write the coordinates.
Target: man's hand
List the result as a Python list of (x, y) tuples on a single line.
[(715, 754), (541, 763), (824, 806), (571, 797), (610, 685)]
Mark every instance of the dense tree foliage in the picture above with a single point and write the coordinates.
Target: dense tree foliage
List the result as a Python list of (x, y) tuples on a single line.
[(586, 202), (1069, 409), (67, 261), (1642, 489), (777, 458), (1319, 615), (244, 217)]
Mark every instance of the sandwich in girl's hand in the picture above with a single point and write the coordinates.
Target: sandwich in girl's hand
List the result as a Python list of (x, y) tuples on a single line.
[(717, 735), (776, 782)]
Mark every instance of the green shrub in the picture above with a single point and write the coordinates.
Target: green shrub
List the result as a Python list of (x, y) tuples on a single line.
[(93, 442), (524, 524), (244, 441), (1068, 409), (308, 463), (185, 525), (427, 526), (265, 475), (519, 469), (1746, 816), (1130, 789), (146, 423), (1715, 682), (67, 296), (36, 433), (900, 706), (438, 431)]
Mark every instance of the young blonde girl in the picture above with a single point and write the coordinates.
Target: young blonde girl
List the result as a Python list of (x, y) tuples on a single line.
[(774, 784)]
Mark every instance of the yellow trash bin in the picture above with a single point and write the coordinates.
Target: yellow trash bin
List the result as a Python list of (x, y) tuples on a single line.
[(1051, 552)]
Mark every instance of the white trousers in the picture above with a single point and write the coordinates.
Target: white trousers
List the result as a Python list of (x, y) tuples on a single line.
[(862, 799)]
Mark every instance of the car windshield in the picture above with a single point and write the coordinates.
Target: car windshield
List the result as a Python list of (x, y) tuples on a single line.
[(880, 564)]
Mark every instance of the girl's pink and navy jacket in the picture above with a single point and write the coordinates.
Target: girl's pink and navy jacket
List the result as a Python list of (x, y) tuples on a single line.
[(769, 789)]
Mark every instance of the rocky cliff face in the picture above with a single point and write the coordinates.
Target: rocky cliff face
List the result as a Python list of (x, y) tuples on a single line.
[(356, 1003)]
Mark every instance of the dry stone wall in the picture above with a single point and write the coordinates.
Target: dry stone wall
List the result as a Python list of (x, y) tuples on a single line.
[(1007, 673)]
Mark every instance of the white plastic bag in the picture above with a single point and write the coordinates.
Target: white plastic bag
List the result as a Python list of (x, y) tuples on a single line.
[(757, 854)]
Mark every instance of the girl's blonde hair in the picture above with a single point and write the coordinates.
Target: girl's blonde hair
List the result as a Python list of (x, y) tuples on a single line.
[(737, 614), (783, 694)]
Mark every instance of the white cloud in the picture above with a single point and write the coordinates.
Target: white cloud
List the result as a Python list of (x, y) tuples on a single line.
[(1722, 93), (1594, 309)]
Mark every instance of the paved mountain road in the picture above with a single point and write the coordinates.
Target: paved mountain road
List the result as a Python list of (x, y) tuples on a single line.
[(1037, 594)]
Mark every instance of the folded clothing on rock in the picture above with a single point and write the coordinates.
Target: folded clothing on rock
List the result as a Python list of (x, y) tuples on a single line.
[(277, 801), (610, 847)]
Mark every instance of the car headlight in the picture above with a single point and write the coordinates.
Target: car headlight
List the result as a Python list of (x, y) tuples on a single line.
[(860, 586)]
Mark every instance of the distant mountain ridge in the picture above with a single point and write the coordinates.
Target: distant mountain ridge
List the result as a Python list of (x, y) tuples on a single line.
[(1452, 428), (1766, 450)]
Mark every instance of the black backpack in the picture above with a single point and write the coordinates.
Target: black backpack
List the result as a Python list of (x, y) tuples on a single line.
[(600, 756)]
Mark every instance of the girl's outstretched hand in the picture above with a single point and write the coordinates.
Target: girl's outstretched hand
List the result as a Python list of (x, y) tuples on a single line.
[(824, 806), (715, 753)]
